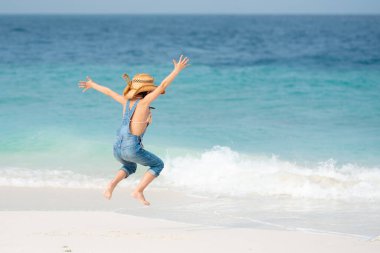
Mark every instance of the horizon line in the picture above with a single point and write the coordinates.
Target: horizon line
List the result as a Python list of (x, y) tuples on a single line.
[(194, 13)]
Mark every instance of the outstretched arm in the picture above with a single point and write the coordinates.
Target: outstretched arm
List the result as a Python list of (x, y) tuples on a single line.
[(178, 67), (107, 91)]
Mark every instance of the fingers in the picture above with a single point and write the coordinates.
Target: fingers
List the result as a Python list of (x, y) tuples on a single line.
[(84, 88), (185, 61), (182, 62), (181, 58), (85, 85)]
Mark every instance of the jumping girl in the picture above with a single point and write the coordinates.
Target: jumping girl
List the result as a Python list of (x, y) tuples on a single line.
[(139, 93)]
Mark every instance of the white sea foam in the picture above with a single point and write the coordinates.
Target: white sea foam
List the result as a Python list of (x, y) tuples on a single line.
[(23, 177), (221, 171)]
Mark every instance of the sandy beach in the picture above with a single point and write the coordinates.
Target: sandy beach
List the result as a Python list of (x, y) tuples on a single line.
[(85, 231), (63, 220)]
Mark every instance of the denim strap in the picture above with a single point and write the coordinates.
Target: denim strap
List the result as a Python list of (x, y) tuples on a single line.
[(126, 112), (130, 112)]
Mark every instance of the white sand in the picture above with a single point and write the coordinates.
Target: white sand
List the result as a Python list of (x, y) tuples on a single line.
[(80, 231), (106, 231)]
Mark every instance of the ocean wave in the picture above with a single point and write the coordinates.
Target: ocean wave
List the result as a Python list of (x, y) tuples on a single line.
[(221, 171)]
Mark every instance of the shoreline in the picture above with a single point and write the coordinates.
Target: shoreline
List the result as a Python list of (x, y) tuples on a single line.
[(170, 205)]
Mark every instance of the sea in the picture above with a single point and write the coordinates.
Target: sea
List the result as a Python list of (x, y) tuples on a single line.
[(274, 124)]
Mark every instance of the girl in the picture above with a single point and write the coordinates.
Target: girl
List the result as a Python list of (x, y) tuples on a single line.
[(139, 93)]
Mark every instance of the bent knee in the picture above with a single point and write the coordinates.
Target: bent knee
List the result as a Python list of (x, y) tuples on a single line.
[(129, 169), (158, 167), (161, 164)]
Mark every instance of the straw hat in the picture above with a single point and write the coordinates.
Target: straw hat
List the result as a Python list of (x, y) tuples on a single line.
[(140, 83)]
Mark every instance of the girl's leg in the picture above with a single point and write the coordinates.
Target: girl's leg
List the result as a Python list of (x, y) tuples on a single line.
[(156, 165), (138, 192), (127, 169), (120, 175)]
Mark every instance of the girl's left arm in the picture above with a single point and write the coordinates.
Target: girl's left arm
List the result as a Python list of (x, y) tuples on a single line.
[(105, 90)]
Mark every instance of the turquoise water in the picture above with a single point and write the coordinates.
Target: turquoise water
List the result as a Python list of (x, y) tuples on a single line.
[(270, 106), (298, 116)]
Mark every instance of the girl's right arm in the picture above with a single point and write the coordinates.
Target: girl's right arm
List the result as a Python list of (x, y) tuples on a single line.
[(107, 91), (178, 67)]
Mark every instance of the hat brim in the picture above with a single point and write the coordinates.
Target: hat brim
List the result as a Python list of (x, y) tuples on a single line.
[(147, 88)]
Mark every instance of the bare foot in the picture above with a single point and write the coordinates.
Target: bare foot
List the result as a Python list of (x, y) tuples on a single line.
[(108, 192), (140, 196)]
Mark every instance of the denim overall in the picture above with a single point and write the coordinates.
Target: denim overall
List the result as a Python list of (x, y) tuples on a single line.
[(128, 148)]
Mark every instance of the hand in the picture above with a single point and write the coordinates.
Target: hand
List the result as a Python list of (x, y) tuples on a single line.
[(86, 84), (182, 63)]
